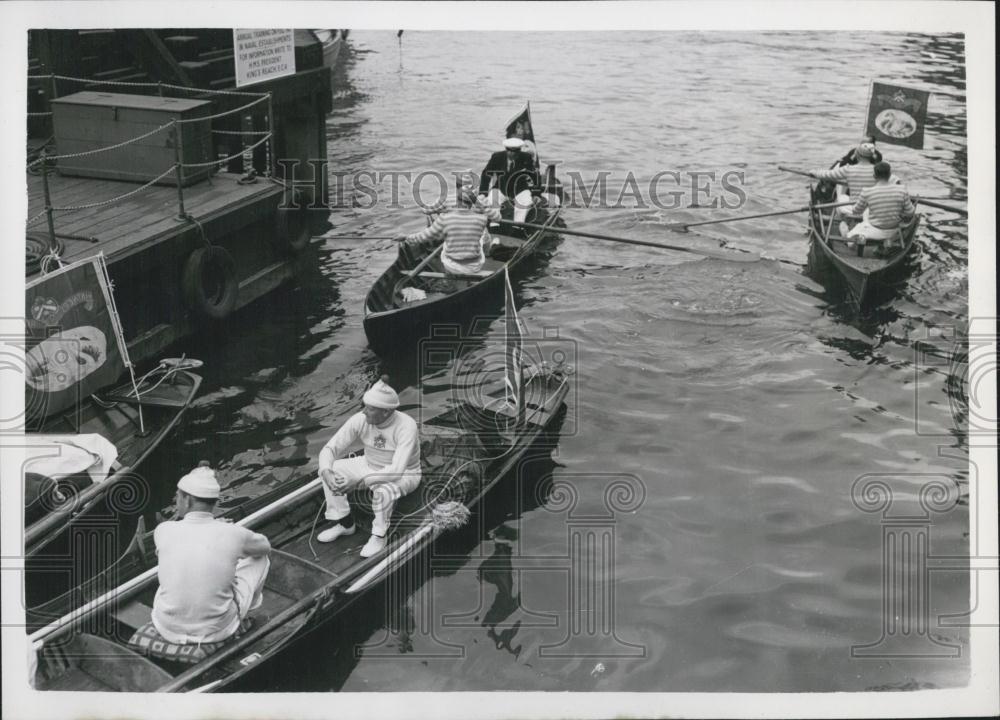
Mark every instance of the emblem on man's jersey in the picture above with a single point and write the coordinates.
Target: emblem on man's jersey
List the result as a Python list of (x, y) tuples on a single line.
[(379, 442)]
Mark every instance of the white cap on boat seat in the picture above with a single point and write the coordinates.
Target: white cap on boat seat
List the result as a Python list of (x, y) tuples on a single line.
[(513, 143), (201, 483), (380, 395)]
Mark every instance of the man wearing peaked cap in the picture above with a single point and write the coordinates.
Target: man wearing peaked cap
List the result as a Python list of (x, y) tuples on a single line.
[(211, 572), (390, 467), (511, 174)]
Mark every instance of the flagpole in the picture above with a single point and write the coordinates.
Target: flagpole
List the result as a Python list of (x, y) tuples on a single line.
[(116, 324), (868, 108)]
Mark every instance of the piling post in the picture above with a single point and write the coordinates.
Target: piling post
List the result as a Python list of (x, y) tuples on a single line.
[(178, 169)]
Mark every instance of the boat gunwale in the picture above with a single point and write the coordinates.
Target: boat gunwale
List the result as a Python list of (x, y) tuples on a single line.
[(335, 589), (519, 255), (39, 535), (319, 597)]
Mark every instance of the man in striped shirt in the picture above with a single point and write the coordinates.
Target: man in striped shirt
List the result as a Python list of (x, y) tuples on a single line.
[(463, 231), (885, 206), (851, 179)]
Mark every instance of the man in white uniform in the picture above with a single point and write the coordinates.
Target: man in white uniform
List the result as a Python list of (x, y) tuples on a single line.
[(211, 572), (390, 466)]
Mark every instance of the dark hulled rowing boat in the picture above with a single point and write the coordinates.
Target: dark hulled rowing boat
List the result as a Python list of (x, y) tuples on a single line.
[(450, 299), (88, 436), (465, 452), (864, 276)]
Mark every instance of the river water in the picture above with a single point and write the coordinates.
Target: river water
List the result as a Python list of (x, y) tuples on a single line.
[(737, 403)]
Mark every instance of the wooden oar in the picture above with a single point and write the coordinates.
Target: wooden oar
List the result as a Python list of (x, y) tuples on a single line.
[(682, 227), (941, 206), (359, 237), (417, 269), (808, 174), (130, 587), (916, 198), (738, 256)]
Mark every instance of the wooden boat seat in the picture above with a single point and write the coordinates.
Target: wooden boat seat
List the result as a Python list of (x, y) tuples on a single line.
[(133, 615), (433, 275), (154, 398)]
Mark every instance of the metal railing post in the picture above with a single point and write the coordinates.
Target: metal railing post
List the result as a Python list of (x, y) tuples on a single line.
[(48, 202), (178, 169), (272, 163)]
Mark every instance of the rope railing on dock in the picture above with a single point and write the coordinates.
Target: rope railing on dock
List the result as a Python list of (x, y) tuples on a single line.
[(203, 118), (107, 148), (118, 198), (240, 132), (247, 149), (178, 166), (123, 83)]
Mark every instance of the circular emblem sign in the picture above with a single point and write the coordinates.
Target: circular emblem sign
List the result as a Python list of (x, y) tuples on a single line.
[(896, 123)]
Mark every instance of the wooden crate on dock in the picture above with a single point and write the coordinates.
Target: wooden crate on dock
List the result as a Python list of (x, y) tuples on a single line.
[(89, 120)]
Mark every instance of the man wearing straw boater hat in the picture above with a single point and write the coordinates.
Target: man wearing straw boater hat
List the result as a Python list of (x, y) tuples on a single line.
[(211, 572), (390, 466)]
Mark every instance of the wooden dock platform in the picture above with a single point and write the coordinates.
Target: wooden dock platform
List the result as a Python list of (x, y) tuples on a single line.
[(146, 243), (149, 217)]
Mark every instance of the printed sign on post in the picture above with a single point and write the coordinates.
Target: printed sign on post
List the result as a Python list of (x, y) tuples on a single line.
[(263, 55)]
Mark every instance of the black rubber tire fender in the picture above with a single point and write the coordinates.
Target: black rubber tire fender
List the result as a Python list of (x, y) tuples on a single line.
[(291, 228), (209, 282)]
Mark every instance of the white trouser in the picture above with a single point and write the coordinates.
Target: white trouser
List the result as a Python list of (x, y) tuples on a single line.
[(866, 230), (522, 202), (386, 490), (248, 585), (461, 267)]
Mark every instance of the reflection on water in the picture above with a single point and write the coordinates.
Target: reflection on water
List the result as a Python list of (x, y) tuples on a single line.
[(746, 398)]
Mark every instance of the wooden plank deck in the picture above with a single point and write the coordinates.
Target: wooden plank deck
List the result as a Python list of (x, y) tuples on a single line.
[(137, 222)]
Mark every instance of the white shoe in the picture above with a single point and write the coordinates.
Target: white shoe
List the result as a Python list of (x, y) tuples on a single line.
[(331, 534), (374, 546)]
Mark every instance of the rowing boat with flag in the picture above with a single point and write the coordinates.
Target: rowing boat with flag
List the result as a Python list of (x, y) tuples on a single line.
[(465, 451), (415, 294)]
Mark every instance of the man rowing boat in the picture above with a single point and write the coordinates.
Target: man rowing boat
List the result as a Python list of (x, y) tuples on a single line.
[(884, 207), (463, 230), (852, 178), (211, 572), (390, 466)]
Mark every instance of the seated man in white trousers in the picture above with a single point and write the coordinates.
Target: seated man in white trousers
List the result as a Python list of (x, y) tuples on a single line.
[(211, 572), (390, 466)]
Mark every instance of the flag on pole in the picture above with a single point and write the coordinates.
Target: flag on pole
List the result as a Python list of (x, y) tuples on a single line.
[(513, 352), (897, 115), (73, 344), (520, 125)]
